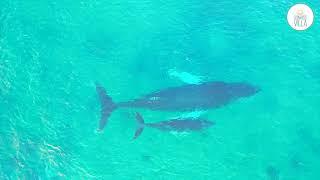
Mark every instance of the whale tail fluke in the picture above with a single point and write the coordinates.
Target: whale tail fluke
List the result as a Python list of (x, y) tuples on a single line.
[(140, 125), (107, 106)]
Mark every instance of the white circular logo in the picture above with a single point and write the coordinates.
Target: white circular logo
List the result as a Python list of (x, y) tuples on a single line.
[(300, 17)]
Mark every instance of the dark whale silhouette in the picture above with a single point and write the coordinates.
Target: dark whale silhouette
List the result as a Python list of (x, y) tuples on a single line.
[(179, 124), (184, 98), (273, 173)]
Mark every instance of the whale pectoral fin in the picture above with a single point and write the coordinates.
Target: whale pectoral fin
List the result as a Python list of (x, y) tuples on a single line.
[(185, 77), (193, 114)]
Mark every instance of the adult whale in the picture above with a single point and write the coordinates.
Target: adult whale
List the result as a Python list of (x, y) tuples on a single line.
[(183, 98)]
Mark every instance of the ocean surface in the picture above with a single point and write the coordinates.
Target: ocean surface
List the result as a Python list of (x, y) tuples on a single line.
[(52, 53)]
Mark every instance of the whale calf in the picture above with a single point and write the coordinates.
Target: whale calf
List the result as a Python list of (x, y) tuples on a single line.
[(188, 97), (179, 125)]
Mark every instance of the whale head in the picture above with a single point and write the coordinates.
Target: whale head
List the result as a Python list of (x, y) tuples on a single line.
[(242, 89)]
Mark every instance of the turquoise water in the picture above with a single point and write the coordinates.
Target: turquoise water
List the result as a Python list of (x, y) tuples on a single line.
[(52, 52)]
